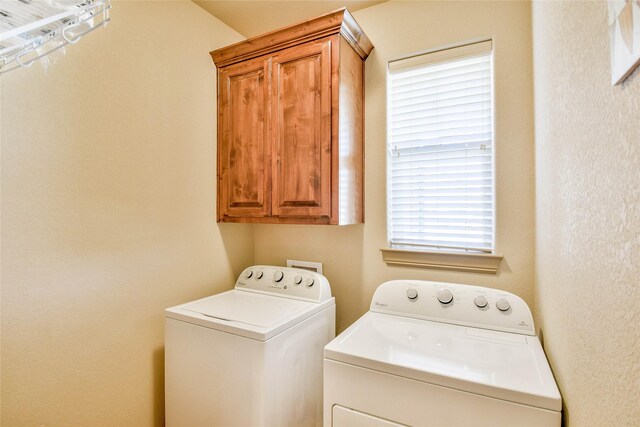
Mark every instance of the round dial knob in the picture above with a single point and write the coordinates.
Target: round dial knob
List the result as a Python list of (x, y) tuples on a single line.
[(445, 296), (503, 304), (259, 275), (248, 273), (412, 294), (297, 280), (309, 282), (278, 275), (480, 301)]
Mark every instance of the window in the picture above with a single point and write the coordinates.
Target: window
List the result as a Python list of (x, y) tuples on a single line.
[(440, 151)]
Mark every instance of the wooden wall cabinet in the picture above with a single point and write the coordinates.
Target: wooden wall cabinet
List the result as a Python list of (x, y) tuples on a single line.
[(291, 124)]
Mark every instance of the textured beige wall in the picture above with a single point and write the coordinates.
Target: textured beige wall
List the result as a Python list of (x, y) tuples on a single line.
[(108, 215), (588, 215), (351, 255)]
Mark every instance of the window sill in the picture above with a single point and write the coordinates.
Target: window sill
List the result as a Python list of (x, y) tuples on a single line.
[(456, 261)]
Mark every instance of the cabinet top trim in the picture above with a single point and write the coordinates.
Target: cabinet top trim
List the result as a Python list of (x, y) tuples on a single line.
[(339, 21)]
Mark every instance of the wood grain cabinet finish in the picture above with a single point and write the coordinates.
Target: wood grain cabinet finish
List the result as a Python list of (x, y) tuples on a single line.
[(301, 123), (290, 124), (244, 155)]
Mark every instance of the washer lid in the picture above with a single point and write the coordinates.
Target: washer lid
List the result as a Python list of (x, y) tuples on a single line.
[(248, 314), (249, 308), (501, 365)]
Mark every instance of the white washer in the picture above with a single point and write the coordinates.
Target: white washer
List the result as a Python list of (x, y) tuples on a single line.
[(251, 356), (440, 354)]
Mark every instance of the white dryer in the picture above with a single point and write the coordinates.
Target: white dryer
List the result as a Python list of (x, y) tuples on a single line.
[(251, 356), (440, 354)]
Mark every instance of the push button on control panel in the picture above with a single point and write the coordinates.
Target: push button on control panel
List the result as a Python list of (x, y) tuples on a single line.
[(480, 301), (445, 296), (503, 304)]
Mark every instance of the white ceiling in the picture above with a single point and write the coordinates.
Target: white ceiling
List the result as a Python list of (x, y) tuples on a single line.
[(253, 17)]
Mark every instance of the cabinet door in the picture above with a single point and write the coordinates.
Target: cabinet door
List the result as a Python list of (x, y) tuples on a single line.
[(301, 87), (244, 143)]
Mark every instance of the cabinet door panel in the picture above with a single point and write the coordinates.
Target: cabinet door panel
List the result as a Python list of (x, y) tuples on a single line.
[(244, 150), (302, 130)]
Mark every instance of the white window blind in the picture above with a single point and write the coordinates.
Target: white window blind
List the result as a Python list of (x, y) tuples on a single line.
[(440, 150)]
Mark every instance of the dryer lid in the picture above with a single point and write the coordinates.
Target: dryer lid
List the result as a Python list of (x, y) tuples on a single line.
[(501, 365), (249, 314)]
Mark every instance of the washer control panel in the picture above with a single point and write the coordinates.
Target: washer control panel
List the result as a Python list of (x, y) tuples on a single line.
[(284, 281), (454, 303)]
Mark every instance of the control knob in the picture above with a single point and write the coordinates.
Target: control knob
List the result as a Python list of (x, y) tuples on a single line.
[(309, 282), (259, 275), (297, 280), (445, 296), (480, 301), (412, 294), (277, 276), (248, 273), (503, 304)]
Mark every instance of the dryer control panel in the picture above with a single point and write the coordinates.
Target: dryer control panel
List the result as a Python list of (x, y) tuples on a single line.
[(458, 304), (284, 281)]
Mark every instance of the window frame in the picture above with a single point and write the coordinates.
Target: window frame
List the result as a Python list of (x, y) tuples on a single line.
[(480, 261)]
